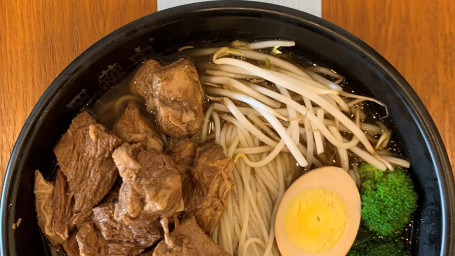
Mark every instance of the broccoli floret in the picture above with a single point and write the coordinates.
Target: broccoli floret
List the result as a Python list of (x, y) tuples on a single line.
[(388, 200), (369, 175), (378, 247)]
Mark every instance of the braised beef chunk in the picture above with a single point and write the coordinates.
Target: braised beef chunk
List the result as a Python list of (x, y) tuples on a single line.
[(53, 205), (151, 183), (70, 246), (174, 93), (61, 206), (78, 218), (44, 191), (134, 127), (189, 239), (143, 231), (119, 194), (110, 198), (183, 153), (142, 82), (84, 155), (90, 241), (206, 192), (123, 249), (148, 252)]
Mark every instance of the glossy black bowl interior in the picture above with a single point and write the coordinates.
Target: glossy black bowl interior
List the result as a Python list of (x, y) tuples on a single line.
[(109, 61)]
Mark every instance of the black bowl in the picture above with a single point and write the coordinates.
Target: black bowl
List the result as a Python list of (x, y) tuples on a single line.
[(110, 60)]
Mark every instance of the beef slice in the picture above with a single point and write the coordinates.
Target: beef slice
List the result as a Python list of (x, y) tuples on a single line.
[(84, 156)]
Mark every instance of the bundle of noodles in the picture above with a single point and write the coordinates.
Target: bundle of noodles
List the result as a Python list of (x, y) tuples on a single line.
[(272, 116), (246, 227)]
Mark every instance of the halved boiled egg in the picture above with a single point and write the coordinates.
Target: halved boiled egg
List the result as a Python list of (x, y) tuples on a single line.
[(319, 214)]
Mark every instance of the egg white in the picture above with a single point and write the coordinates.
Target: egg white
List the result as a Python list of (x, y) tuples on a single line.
[(336, 180)]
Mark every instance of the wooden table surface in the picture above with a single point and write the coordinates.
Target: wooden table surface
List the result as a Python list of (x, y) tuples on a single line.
[(38, 39)]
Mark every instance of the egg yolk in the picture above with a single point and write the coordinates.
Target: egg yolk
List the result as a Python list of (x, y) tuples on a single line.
[(315, 220)]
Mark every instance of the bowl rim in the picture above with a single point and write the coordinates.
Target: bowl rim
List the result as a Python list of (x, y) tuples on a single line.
[(432, 137)]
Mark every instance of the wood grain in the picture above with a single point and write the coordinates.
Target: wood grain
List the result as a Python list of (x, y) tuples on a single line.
[(38, 39), (418, 39)]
